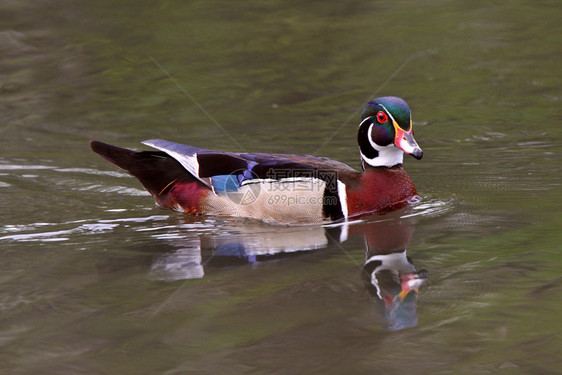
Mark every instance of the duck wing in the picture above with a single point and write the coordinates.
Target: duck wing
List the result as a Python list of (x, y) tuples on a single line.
[(228, 170)]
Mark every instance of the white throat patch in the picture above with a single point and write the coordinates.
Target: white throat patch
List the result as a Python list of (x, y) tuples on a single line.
[(389, 156)]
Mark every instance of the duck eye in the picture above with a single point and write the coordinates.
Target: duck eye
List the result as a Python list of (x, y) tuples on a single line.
[(382, 117)]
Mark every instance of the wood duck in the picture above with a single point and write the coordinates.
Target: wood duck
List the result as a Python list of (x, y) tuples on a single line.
[(279, 188)]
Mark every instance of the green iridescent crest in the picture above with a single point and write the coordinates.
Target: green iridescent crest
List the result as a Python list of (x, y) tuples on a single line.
[(396, 107)]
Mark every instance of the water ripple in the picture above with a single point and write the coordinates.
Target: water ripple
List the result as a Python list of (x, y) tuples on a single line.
[(92, 172), (59, 235), (430, 207), (14, 167)]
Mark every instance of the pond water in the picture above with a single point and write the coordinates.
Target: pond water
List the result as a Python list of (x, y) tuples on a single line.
[(97, 280)]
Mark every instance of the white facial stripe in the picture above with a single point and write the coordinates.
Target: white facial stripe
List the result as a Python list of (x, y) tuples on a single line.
[(365, 119), (387, 112), (370, 136)]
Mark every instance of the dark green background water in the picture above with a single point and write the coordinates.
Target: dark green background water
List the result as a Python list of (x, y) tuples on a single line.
[(88, 263)]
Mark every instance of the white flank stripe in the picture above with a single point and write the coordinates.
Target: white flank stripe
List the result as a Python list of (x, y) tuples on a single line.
[(342, 195), (344, 232)]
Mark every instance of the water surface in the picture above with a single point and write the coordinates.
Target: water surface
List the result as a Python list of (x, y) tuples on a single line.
[(95, 279)]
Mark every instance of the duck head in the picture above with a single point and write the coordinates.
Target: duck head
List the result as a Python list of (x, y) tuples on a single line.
[(386, 132)]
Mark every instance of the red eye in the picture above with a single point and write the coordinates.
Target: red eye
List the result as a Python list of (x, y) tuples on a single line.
[(382, 117)]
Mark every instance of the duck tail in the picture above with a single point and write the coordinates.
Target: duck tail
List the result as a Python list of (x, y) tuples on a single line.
[(157, 171)]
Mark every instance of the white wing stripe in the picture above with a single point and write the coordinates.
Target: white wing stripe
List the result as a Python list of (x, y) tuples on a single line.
[(189, 162)]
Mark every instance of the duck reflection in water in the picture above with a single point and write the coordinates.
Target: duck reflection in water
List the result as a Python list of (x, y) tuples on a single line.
[(389, 275)]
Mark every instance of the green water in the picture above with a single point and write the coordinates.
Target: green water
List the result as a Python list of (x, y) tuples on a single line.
[(97, 280)]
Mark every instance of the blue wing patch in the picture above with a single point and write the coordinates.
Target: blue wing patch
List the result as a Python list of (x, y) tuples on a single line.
[(223, 183), (231, 182)]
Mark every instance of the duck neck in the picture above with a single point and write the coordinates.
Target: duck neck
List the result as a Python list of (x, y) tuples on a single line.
[(386, 156)]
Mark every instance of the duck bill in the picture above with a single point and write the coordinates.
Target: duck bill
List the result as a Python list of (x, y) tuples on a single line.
[(405, 141), (411, 282)]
